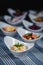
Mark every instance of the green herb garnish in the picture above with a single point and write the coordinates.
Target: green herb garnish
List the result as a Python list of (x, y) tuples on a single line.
[(18, 45), (29, 34)]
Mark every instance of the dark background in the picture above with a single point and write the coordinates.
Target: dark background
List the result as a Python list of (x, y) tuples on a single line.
[(20, 4)]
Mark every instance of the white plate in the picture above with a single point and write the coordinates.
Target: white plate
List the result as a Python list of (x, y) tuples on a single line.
[(9, 41), (2, 24), (31, 16), (22, 31), (11, 12), (14, 21), (27, 24)]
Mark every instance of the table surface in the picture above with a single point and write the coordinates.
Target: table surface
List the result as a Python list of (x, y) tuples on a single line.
[(33, 57)]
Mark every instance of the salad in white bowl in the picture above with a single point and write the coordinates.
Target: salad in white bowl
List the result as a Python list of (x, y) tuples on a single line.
[(28, 36), (18, 48)]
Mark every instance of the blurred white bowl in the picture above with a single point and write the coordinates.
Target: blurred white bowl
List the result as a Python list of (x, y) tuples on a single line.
[(12, 12), (14, 20), (9, 41), (22, 32), (2, 25), (31, 16), (27, 24)]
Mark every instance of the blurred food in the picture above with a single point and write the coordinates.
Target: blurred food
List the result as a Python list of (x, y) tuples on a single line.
[(18, 47), (30, 36), (34, 27), (18, 13), (9, 28), (39, 19)]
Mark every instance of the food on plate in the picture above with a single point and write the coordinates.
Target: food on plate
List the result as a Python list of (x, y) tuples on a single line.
[(18, 13), (9, 28), (34, 27), (39, 19), (30, 36), (19, 47)]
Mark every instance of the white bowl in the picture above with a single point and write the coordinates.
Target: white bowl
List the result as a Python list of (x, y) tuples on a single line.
[(11, 12), (34, 12), (31, 16), (2, 24), (8, 20), (9, 41), (22, 31), (27, 24), (15, 20)]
